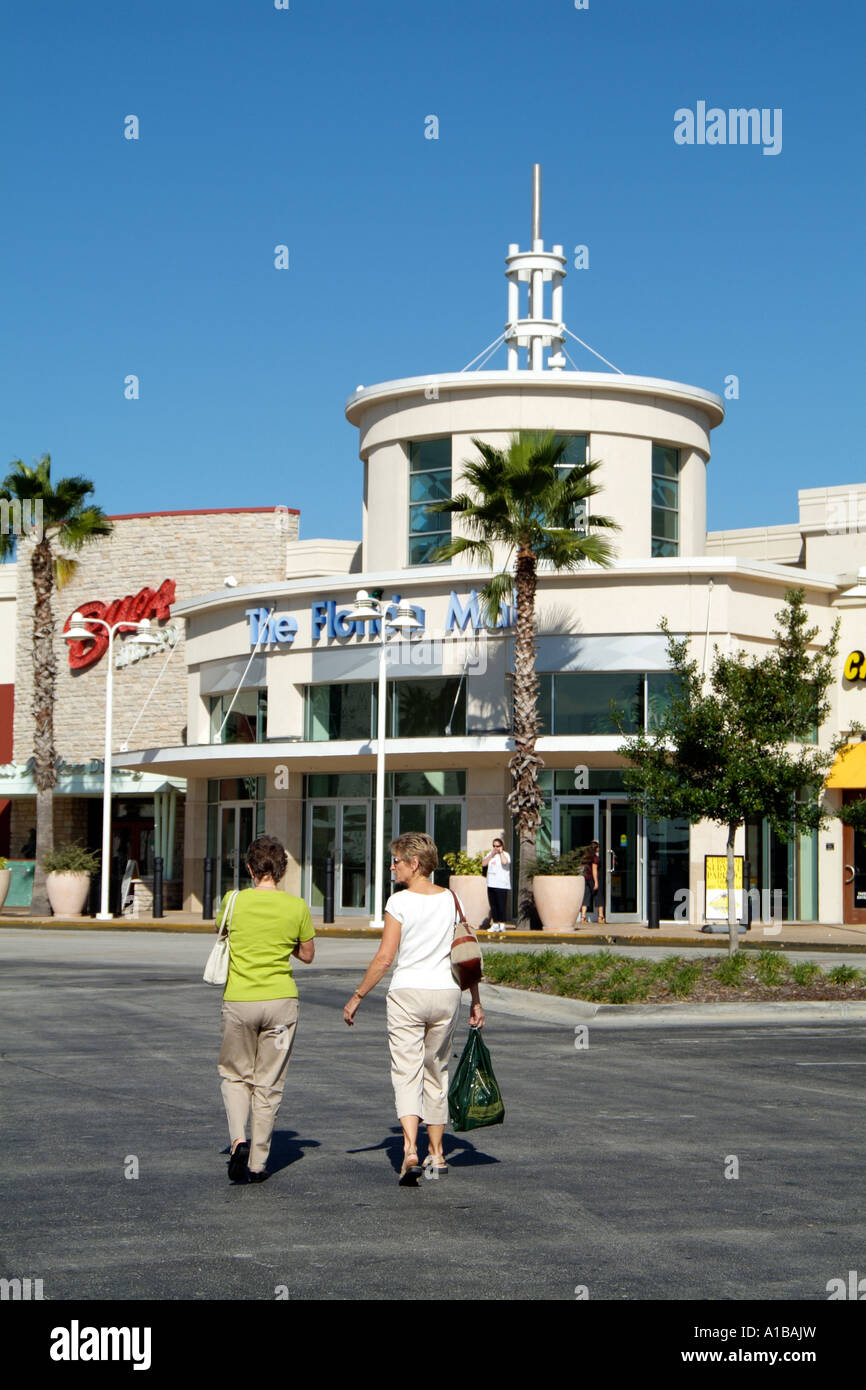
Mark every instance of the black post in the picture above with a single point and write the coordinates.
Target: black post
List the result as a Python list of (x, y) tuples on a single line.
[(747, 905), (653, 913), (328, 903), (157, 886), (207, 893), (115, 906)]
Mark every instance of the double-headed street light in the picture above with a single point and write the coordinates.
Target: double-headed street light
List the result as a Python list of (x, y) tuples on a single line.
[(371, 609), (142, 637)]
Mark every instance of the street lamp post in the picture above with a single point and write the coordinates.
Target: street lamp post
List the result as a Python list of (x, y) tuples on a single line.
[(369, 609), (142, 637)]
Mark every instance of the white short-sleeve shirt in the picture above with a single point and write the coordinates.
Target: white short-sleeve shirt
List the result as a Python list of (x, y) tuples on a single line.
[(427, 931), (499, 871)]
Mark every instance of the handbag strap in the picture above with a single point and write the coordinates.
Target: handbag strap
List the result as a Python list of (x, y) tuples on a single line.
[(228, 913), (458, 909)]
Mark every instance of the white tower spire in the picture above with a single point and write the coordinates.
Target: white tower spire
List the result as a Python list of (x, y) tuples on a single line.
[(536, 267)]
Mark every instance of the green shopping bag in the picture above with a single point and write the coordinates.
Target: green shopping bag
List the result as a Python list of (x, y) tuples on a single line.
[(474, 1098)]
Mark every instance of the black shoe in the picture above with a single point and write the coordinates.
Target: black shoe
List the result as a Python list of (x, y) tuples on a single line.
[(238, 1162), (258, 1177)]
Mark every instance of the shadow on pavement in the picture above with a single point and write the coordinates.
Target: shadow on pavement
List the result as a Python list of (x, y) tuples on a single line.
[(458, 1152)]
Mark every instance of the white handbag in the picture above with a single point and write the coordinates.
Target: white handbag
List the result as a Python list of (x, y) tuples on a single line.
[(216, 972)]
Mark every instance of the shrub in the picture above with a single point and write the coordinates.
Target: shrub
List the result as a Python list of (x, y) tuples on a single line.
[(772, 967), (464, 863), (71, 859), (843, 974), (3, 863), (549, 864), (731, 970), (805, 971)]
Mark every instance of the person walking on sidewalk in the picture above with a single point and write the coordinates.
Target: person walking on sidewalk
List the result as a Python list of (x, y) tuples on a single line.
[(590, 867), (498, 866), (260, 1005), (423, 1001)]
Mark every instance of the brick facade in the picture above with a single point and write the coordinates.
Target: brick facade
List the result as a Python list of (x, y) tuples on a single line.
[(197, 550)]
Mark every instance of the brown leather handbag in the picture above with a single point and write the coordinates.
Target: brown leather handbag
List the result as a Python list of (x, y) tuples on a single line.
[(466, 962)]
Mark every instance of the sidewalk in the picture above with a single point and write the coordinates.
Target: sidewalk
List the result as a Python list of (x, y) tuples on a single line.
[(790, 936)]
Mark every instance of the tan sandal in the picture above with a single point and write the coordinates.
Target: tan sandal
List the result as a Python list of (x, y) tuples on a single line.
[(411, 1170)]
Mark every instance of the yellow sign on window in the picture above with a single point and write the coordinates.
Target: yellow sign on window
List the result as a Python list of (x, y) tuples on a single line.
[(716, 886)]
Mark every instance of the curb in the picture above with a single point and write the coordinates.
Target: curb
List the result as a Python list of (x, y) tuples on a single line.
[(548, 1008), (489, 939)]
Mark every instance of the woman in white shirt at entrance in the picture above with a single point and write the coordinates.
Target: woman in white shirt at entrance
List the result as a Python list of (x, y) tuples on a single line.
[(498, 866), (423, 1000)]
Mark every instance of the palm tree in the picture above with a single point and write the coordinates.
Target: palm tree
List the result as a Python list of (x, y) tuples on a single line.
[(527, 499), (54, 513)]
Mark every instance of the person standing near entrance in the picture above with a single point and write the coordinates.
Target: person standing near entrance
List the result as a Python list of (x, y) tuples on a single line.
[(498, 866), (423, 1000), (591, 870), (260, 1005)]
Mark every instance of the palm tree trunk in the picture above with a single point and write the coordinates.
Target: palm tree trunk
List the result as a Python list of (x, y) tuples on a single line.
[(525, 800), (44, 754)]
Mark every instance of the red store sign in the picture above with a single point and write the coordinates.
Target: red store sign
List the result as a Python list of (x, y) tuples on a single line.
[(147, 603)]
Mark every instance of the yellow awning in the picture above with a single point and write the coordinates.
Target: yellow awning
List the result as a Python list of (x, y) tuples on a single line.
[(849, 770)]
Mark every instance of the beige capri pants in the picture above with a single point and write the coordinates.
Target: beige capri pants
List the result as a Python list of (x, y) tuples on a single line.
[(257, 1042), (421, 1024)]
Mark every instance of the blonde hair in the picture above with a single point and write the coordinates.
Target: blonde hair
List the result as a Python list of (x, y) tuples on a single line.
[(416, 845)]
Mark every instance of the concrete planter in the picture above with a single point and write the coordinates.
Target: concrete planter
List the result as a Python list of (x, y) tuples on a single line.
[(471, 889), (5, 880), (558, 899), (67, 893)]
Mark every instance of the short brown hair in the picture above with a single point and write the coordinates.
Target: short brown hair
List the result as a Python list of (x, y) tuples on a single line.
[(266, 857), (416, 846)]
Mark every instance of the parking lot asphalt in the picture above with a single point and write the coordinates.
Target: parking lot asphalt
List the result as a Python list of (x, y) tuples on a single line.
[(711, 1164)]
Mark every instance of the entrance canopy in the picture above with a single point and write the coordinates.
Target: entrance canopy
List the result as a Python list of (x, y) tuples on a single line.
[(848, 773)]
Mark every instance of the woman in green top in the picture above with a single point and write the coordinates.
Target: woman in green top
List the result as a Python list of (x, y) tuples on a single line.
[(260, 1005)]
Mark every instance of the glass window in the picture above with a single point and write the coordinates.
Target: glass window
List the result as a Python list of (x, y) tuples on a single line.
[(661, 688), (247, 720), (425, 708), (337, 784), (427, 784), (340, 711), (665, 501), (581, 702), (429, 481), (576, 451), (236, 789)]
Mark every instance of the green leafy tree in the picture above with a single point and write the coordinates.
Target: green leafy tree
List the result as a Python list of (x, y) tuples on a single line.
[(58, 520), (737, 747), (522, 500)]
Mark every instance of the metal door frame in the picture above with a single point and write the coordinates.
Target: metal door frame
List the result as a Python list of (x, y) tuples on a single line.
[(639, 915), (236, 855), (339, 802)]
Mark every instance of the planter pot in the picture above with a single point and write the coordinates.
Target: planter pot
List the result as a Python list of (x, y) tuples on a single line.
[(471, 889), (5, 880), (558, 899), (67, 893)]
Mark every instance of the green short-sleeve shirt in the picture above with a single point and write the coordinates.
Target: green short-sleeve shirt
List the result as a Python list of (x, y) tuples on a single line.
[(266, 927)]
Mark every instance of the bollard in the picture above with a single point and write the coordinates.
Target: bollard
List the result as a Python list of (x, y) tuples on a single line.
[(747, 905), (653, 912), (328, 896), (157, 886), (115, 890), (207, 893)]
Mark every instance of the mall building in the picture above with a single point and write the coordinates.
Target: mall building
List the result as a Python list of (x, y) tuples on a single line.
[(282, 682), (266, 715)]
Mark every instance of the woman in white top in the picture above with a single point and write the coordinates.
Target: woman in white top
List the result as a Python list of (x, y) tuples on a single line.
[(498, 866), (423, 1000)]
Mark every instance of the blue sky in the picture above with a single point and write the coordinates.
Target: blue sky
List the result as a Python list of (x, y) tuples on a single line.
[(305, 127)]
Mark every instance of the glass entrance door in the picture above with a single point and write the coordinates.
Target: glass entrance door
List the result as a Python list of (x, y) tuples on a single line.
[(575, 822), (622, 861), (341, 829), (441, 819), (235, 837)]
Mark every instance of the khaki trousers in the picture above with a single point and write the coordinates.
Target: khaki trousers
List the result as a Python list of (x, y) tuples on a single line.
[(257, 1041), (421, 1024)]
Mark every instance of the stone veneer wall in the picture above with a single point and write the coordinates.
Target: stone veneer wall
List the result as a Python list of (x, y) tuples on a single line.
[(197, 551)]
